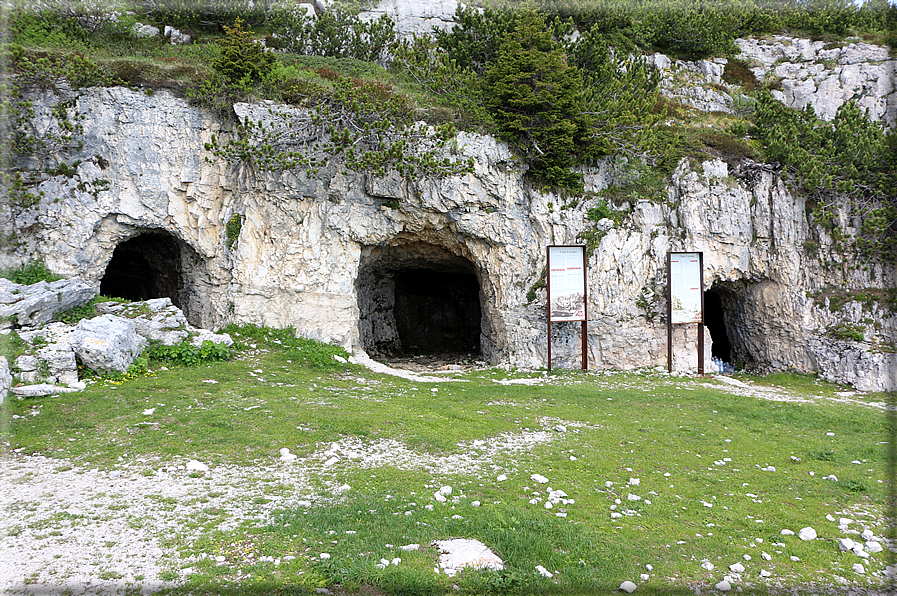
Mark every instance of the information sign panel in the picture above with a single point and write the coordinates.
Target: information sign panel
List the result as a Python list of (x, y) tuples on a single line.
[(566, 283), (685, 288)]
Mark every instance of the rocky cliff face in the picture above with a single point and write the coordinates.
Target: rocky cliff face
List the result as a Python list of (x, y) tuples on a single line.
[(385, 265)]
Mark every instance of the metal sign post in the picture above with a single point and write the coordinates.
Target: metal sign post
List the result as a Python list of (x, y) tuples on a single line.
[(685, 299), (567, 293)]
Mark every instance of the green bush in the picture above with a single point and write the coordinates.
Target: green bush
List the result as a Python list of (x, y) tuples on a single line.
[(206, 15), (186, 354), (232, 229), (536, 100), (338, 33), (850, 162), (690, 29), (48, 30), (243, 60)]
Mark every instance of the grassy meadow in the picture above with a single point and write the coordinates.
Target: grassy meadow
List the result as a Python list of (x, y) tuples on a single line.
[(666, 480)]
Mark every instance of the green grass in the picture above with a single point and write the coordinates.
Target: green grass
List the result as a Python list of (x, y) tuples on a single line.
[(690, 442)]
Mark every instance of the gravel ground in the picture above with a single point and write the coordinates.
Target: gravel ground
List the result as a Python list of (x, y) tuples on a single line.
[(87, 531), (69, 528)]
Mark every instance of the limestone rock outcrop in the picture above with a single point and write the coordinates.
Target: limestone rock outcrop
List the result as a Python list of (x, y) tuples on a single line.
[(107, 343), (37, 304), (368, 262), (812, 73)]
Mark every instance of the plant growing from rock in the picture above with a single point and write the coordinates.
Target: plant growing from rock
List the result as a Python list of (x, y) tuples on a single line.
[(337, 33)]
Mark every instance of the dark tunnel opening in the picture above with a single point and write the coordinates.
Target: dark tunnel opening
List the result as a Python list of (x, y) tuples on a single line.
[(145, 267), (419, 299), (715, 323), (437, 311)]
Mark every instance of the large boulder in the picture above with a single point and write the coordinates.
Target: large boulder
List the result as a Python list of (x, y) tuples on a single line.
[(37, 304), (107, 343)]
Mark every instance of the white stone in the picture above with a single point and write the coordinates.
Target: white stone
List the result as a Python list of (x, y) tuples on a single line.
[(544, 572), (873, 547), (324, 556), (867, 534), (708, 565), (736, 568), (765, 573), (807, 533), (786, 532), (628, 587), (634, 481), (196, 466), (644, 577), (858, 568), (538, 478), (845, 544), (766, 556), (42, 389), (501, 478), (38, 304), (141, 30), (723, 586), (458, 553)]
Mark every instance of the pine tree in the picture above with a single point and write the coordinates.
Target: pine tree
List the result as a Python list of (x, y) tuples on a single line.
[(535, 97), (242, 59)]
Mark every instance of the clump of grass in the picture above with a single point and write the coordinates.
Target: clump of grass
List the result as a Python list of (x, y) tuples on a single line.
[(30, 273)]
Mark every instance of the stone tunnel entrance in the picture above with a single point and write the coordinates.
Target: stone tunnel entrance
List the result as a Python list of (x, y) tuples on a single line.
[(416, 299), (735, 320), (149, 266)]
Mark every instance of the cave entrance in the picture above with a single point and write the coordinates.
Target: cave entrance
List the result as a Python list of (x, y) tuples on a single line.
[(145, 267), (419, 299), (715, 323), (437, 311)]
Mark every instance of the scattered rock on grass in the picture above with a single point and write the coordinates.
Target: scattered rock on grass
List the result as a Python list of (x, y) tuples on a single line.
[(459, 553)]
